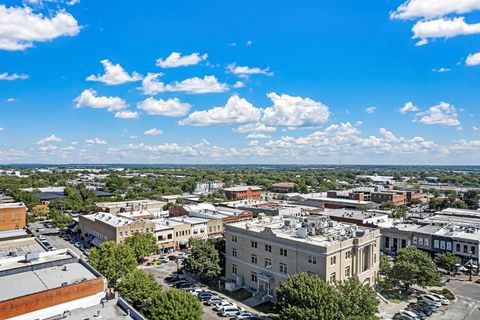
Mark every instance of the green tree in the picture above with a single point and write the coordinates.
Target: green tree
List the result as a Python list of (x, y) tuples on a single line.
[(447, 260), (388, 205), (40, 211), (137, 287), (414, 267), (400, 212), (113, 260), (305, 296), (142, 244), (61, 220), (204, 260), (357, 301), (173, 305), (385, 266)]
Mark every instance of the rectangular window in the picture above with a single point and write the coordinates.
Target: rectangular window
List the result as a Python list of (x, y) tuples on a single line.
[(254, 277), (458, 246), (234, 252), (234, 238), (472, 250), (347, 271), (449, 246), (465, 248), (442, 245), (268, 248), (169, 236), (312, 259), (436, 244), (348, 254), (420, 241), (333, 277), (425, 241), (283, 252), (253, 258), (333, 260), (254, 244), (268, 263), (283, 268), (414, 240), (234, 269)]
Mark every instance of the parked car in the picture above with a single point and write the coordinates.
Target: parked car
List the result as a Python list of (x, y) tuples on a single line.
[(213, 300), (410, 314), (204, 295), (420, 314), (163, 259), (40, 229), (401, 317), (433, 299), (443, 300), (229, 311), (182, 285), (424, 303), (181, 255), (223, 304), (242, 315), (425, 309), (78, 244), (42, 238)]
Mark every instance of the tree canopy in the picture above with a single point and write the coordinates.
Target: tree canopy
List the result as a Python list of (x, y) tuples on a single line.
[(204, 260), (173, 305), (447, 260), (142, 244), (137, 287)]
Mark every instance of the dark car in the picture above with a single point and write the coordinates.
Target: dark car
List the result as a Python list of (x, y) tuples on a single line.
[(423, 308), (428, 304)]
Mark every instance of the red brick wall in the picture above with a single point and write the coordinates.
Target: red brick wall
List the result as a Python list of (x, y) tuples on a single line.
[(13, 218), (241, 195), (41, 300)]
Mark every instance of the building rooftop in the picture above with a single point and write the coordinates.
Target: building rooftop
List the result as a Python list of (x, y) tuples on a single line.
[(283, 185), (242, 188), (12, 205), (110, 219), (316, 230), (190, 220), (340, 200), (109, 310), (355, 214), (19, 247), (121, 204)]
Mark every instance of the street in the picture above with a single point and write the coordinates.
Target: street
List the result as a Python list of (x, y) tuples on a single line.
[(467, 306)]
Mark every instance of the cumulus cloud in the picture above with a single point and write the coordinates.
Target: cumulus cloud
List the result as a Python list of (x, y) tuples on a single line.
[(20, 27), (236, 111), (126, 114), (442, 28), (10, 100), (258, 136), (95, 141), (1, 129), (171, 108), (409, 107), (14, 76), (443, 113), (239, 84), (433, 8), (195, 85), (289, 111), (245, 72), (89, 99), (370, 110), (175, 59), (473, 59), (49, 139), (441, 70), (114, 74), (153, 132), (254, 127)]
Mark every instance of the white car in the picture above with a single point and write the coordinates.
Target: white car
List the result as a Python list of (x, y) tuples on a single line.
[(229, 311), (214, 300), (243, 315), (223, 304), (433, 299), (444, 300)]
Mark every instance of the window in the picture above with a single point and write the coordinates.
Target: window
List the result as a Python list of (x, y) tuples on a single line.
[(234, 238), (254, 244), (436, 244), (283, 268), (333, 260), (312, 259), (442, 244), (465, 248), (472, 250), (333, 277), (195, 231), (169, 236), (387, 242), (458, 246), (420, 241), (234, 252), (176, 234), (348, 254), (234, 268), (268, 248), (160, 238), (254, 277), (121, 234), (449, 246), (347, 271), (374, 258), (253, 259), (414, 240), (425, 241), (268, 263), (283, 252)]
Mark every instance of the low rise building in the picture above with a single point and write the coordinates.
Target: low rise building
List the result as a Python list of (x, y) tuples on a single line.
[(337, 203), (413, 195), (370, 218), (243, 192), (283, 187), (198, 226), (13, 216), (131, 206), (262, 253), (398, 198)]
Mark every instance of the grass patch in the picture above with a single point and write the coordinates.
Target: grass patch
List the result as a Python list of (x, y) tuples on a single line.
[(238, 295), (446, 293), (266, 307)]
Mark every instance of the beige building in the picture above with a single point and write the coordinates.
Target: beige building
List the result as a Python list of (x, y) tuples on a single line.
[(102, 226), (129, 206), (262, 253)]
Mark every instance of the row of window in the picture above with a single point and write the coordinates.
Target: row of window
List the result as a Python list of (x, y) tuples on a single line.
[(13, 217), (421, 241), (214, 228), (125, 233)]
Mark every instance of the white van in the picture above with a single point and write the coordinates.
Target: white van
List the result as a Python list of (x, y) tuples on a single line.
[(229, 311)]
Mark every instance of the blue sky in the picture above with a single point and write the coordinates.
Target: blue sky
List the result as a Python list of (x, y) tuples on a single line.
[(360, 82)]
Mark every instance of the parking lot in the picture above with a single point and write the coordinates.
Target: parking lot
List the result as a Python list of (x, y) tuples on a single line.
[(165, 270), (467, 306)]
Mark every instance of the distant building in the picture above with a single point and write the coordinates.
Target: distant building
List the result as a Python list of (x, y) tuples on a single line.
[(262, 253), (283, 187), (371, 218), (243, 192), (129, 206), (413, 195), (398, 198), (336, 203), (13, 216), (48, 284)]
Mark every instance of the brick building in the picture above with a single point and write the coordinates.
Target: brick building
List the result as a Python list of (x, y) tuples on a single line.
[(283, 187), (398, 198), (13, 216), (243, 192)]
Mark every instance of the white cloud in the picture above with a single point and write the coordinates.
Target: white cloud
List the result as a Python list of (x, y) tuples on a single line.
[(409, 107), (245, 72), (473, 59), (442, 28), (475, 128), (114, 74), (171, 108), (253, 143), (10, 100), (20, 27), (96, 141), (49, 139), (175, 59), (126, 114), (88, 98), (434, 8), (258, 136), (289, 111), (239, 84), (195, 85), (370, 110), (1, 129), (153, 132), (236, 111), (249, 42), (443, 113), (13, 76), (254, 127), (441, 70)]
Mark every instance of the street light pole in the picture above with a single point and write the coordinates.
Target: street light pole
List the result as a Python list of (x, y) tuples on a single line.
[(471, 266)]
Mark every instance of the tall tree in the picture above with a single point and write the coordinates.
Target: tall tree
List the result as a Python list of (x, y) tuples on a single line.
[(113, 260), (142, 244), (447, 260), (357, 301), (173, 305), (138, 287), (414, 267), (204, 260)]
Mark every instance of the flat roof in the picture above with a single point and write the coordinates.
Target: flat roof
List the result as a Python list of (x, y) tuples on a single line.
[(242, 188), (12, 205), (354, 214), (127, 203), (110, 310), (340, 200), (19, 247)]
